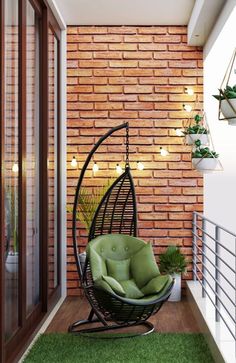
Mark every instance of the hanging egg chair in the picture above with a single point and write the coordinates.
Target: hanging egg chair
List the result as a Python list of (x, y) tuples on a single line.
[(119, 277)]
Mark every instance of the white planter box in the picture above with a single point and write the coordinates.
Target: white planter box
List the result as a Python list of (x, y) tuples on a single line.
[(12, 263), (205, 164), (227, 111), (190, 139), (176, 291)]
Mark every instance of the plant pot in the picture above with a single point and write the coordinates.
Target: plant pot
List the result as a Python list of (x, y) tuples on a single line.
[(12, 262), (176, 291), (227, 110), (190, 139), (205, 164)]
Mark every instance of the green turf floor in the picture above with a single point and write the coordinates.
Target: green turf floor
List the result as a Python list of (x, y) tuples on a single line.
[(154, 348)]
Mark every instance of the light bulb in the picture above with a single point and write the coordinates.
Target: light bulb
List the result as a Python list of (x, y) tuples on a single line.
[(189, 91), (15, 168), (163, 152), (118, 169), (73, 162), (187, 108), (140, 165), (95, 167), (179, 132)]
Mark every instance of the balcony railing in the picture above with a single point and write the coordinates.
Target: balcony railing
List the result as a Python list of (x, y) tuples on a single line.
[(214, 267)]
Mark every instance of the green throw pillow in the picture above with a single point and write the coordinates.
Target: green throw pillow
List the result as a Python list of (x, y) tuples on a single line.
[(98, 266), (115, 285), (156, 285), (131, 289), (119, 270), (143, 266)]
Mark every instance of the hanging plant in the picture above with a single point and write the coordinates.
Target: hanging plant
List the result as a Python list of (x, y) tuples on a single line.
[(204, 159), (197, 131), (227, 94)]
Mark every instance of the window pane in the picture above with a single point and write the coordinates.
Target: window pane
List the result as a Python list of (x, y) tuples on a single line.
[(32, 158), (52, 162), (11, 167)]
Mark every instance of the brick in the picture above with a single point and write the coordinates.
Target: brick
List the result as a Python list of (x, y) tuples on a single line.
[(153, 64), (138, 38), (107, 38), (93, 64), (138, 72), (79, 38), (167, 39), (93, 80), (92, 30), (123, 64), (153, 47), (138, 89), (123, 46), (92, 97), (137, 55), (107, 55), (123, 114), (107, 72), (123, 80), (108, 89)]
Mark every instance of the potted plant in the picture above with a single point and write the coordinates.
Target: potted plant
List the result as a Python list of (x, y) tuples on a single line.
[(203, 158), (227, 99), (173, 262), (196, 132), (12, 254)]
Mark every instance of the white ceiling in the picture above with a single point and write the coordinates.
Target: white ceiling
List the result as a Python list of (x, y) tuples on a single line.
[(126, 12)]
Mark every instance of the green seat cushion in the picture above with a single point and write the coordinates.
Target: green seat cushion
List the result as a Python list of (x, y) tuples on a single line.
[(114, 284), (118, 269), (143, 266), (131, 289), (155, 285), (98, 265)]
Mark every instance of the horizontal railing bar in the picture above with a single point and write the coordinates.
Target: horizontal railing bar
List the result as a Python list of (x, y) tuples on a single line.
[(213, 238), (210, 221), (217, 268), (218, 282), (216, 254), (216, 307), (233, 319)]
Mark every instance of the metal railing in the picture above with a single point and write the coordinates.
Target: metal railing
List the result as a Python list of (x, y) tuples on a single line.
[(214, 267)]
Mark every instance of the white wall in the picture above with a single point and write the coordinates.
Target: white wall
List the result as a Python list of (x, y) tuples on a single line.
[(220, 187)]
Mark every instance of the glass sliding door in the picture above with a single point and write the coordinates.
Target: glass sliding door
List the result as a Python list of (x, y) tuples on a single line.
[(52, 160), (29, 173), (11, 164), (33, 72)]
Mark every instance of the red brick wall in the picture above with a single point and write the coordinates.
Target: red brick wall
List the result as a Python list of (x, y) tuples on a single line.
[(136, 74)]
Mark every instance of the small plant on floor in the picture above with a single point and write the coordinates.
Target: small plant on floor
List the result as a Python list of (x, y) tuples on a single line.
[(197, 128), (172, 261)]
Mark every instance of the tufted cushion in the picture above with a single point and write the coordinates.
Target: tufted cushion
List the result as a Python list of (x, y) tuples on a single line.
[(143, 266), (118, 269), (98, 265), (131, 289), (115, 285), (156, 284)]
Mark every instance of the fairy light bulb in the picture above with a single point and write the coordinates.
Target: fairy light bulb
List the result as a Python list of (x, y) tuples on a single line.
[(179, 132), (73, 162), (140, 165), (95, 167), (189, 91), (163, 152), (187, 108), (118, 169), (15, 168)]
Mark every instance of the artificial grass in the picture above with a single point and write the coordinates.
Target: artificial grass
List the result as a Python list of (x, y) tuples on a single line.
[(154, 348)]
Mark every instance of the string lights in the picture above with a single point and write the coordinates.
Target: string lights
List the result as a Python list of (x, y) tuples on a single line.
[(140, 165), (118, 169), (15, 168), (163, 151), (95, 167), (73, 162)]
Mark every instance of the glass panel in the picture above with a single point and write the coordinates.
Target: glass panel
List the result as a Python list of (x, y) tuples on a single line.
[(11, 167), (32, 158), (52, 163)]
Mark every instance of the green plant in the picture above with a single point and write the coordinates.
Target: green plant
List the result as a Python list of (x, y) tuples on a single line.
[(88, 202), (12, 218), (203, 152), (173, 261), (228, 92), (197, 128)]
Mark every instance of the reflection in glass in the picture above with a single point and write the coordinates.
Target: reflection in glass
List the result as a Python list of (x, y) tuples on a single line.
[(11, 167), (52, 163), (32, 158)]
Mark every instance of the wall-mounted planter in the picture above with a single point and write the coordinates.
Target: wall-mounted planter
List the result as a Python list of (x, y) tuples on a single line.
[(228, 107), (190, 139), (206, 165)]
